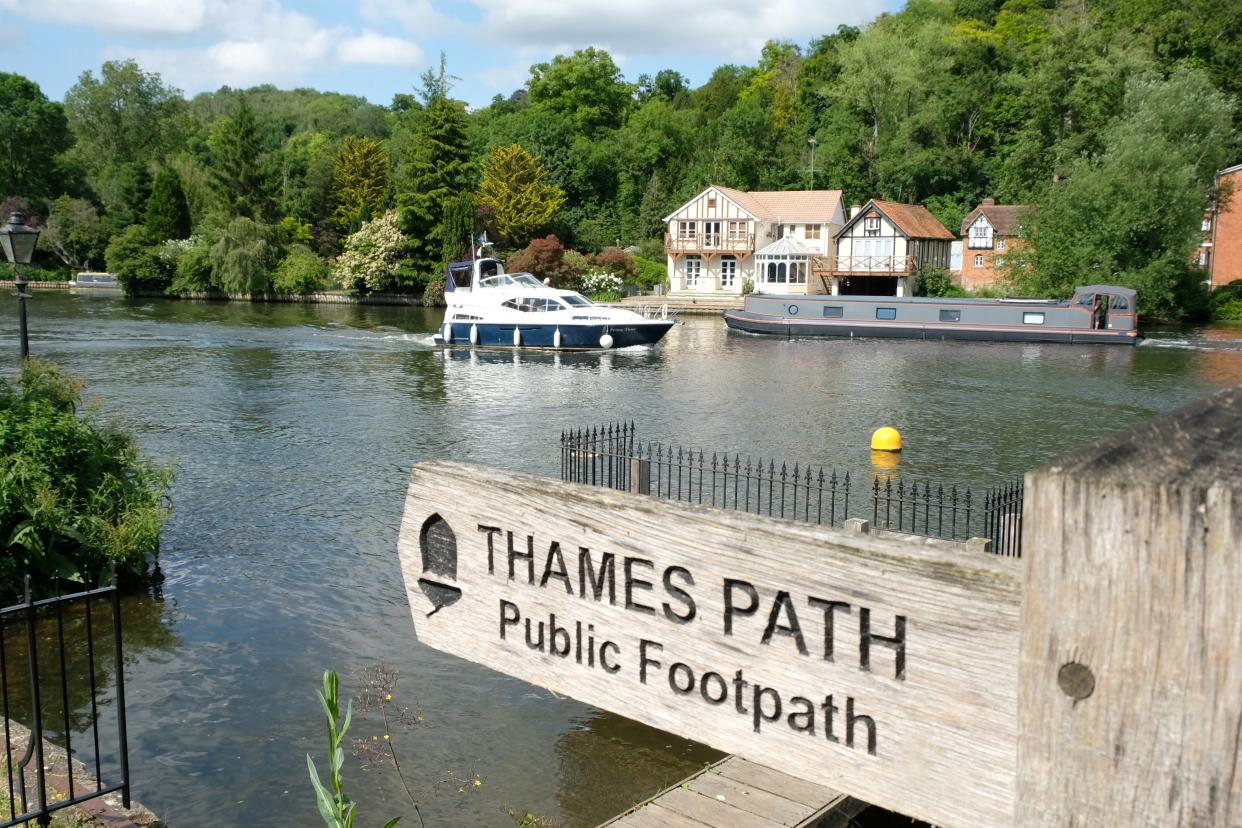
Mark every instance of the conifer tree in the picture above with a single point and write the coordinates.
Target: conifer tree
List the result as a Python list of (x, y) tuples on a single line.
[(360, 179), (168, 214), (437, 168), (237, 162), (517, 193)]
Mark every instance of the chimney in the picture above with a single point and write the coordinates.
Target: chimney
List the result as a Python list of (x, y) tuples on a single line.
[(989, 202), (854, 208)]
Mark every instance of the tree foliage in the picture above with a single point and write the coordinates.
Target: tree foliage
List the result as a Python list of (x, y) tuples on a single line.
[(33, 133), (168, 213), (243, 258), (360, 182), (516, 195), (238, 159), (370, 256), (74, 232), (75, 495)]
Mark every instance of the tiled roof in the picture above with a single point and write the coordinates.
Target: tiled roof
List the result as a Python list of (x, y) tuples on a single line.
[(789, 205), (1004, 218), (913, 220)]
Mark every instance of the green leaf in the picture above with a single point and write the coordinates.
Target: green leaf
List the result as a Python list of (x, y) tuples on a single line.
[(327, 806), (390, 823)]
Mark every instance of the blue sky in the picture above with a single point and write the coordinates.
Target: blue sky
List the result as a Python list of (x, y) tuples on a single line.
[(376, 48)]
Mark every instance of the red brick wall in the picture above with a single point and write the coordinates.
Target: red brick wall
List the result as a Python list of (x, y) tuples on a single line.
[(974, 277), (1226, 261)]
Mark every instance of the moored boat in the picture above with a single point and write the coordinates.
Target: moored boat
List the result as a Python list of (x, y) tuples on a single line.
[(1095, 313), (489, 307)]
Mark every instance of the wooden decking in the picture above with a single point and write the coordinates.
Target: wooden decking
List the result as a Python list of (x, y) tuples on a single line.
[(735, 793)]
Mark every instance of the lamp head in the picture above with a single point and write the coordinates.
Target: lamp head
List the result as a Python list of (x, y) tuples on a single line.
[(18, 239)]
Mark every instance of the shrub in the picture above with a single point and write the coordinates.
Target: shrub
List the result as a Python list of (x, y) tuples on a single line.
[(935, 281), (370, 255), (135, 261), (300, 272), (650, 273), (1226, 302), (600, 284), (616, 260), (544, 259), (75, 495), (36, 273), (243, 259), (573, 265), (433, 294), (193, 269)]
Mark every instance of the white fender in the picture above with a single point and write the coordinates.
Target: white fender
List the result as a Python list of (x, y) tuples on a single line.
[(474, 334), (556, 338), (517, 337), (447, 334), (605, 341)]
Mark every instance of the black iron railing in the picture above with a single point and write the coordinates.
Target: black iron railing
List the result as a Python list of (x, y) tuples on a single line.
[(44, 705), (612, 456)]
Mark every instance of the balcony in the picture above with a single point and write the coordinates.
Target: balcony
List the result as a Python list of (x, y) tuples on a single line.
[(865, 265), (709, 243)]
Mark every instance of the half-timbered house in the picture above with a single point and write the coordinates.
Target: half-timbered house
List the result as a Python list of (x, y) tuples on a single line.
[(991, 233), (723, 238), (880, 249)]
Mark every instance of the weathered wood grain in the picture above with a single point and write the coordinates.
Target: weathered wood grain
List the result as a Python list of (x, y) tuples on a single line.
[(945, 730), (1133, 572)]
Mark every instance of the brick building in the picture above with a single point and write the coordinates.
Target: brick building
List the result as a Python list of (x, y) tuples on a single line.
[(1222, 255), (991, 233)]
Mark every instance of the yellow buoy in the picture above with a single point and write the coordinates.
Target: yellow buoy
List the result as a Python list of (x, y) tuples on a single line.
[(885, 439)]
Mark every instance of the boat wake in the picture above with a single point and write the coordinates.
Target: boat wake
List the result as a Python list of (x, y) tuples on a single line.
[(1193, 345)]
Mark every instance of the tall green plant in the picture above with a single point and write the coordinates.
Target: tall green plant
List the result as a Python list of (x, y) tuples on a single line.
[(335, 806), (168, 213)]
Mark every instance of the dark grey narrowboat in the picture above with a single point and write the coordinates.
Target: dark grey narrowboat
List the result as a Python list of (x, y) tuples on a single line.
[(1095, 313)]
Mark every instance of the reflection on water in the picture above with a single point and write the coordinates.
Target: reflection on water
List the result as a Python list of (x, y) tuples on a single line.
[(292, 429)]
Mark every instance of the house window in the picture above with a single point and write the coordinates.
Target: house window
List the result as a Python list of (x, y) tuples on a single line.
[(885, 313), (711, 233), (1033, 318), (792, 230), (1206, 227), (871, 226), (1000, 261), (694, 267), (812, 231), (950, 316), (728, 271), (686, 230), (979, 260), (737, 230), (833, 311), (1000, 244), (981, 235), (711, 202)]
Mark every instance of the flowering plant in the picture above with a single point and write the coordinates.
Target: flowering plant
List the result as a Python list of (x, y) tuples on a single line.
[(595, 282)]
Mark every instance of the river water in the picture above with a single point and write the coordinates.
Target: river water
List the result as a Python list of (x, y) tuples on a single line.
[(292, 429)]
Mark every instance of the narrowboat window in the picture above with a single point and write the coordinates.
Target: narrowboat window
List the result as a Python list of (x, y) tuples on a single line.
[(885, 313), (950, 316), (1032, 318), (833, 311), (1119, 303)]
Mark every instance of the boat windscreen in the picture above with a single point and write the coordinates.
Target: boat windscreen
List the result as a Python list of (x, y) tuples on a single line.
[(525, 280), (501, 280), (574, 300)]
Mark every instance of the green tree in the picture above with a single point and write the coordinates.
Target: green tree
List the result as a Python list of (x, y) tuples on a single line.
[(123, 119), (33, 132), (243, 259), (135, 261), (360, 181), (456, 231), (370, 256), (516, 195), (74, 232), (168, 213), (587, 86), (300, 272), (437, 168), (1131, 215), (238, 157)]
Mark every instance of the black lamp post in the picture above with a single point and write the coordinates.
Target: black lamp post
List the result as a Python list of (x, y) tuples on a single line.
[(18, 240)]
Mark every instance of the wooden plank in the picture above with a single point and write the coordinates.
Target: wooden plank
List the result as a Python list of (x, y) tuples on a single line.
[(701, 613), (755, 800), (711, 811), (802, 791), (1131, 677), (656, 816)]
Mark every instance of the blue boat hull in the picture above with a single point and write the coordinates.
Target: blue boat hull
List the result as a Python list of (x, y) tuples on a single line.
[(573, 337)]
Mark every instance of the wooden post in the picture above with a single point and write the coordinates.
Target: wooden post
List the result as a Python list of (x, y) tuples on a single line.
[(1130, 699), (640, 475)]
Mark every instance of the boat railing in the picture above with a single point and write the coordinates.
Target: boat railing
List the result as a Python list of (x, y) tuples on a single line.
[(612, 456)]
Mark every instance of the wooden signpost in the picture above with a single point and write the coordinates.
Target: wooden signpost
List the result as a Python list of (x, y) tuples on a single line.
[(930, 681)]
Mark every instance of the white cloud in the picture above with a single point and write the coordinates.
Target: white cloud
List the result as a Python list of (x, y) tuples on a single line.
[(146, 17), (370, 47), (736, 29), (417, 16)]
